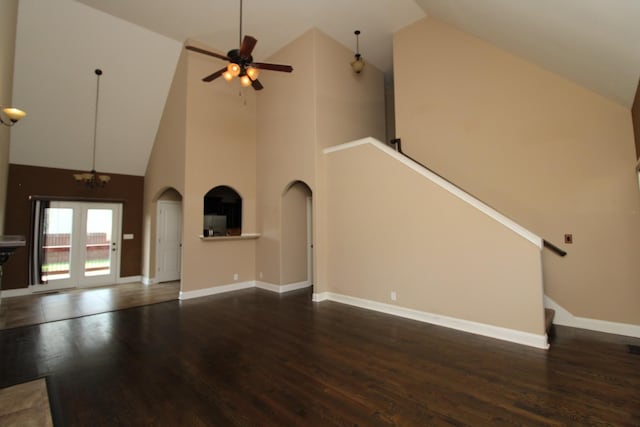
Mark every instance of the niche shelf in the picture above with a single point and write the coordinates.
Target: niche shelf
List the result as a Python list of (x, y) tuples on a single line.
[(250, 236)]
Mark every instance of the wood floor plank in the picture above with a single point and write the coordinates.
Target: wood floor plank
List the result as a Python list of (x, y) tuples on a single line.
[(257, 358)]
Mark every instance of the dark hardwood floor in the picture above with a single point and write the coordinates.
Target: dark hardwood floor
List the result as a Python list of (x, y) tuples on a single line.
[(78, 302), (257, 358)]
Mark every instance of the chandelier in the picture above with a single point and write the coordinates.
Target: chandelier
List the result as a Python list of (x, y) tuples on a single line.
[(92, 179)]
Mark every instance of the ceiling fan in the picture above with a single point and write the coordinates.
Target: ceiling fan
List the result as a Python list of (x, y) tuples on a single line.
[(241, 63)]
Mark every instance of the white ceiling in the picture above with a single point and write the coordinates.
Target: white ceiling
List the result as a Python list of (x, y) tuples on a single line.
[(595, 43), (274, 23)]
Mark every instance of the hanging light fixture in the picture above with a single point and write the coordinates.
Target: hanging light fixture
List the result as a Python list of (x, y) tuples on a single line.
[(14, 114), (357, 65), (240, 65), (93, 179)]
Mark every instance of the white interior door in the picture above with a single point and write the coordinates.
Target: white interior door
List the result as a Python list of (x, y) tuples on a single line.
[(169, 241), (81, 244)]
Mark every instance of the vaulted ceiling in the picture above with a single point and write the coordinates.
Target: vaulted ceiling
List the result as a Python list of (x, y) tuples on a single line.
[(594, 43)]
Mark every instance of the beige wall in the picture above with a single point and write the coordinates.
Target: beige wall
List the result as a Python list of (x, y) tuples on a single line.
[(220, 150), (294, 233), (349, 106), (635, 114), (322, 103), (390, 229), (286, 124), (8, 21), (166, 167), (550, 154)]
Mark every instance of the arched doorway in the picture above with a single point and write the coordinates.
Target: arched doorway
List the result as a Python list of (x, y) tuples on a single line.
[(297, 235)]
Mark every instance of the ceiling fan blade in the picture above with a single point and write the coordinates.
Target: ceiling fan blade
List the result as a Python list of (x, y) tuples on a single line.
[(257, 85), (273, 67), (215, 75), (206, 52), (248, 43)]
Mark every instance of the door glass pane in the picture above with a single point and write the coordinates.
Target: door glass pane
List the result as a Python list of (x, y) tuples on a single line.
[(58, 229), (98, 246)]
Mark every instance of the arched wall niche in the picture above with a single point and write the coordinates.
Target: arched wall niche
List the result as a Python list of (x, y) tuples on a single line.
[(297, 235), (222, 212)]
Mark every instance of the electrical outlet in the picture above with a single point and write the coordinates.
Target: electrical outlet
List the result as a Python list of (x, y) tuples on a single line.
[(260, 274), (394, 296), (568, 239), (235, 276)]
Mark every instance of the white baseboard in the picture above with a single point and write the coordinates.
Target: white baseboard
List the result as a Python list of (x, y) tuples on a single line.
[(216, 290), (320, 296), (282, 288), (268, 286), (9, 293), (148, 280), (129, 279), (243, 285), (505, 334), (565, 318)]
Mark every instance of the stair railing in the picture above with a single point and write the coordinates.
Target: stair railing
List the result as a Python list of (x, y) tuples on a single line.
[(397, 143)]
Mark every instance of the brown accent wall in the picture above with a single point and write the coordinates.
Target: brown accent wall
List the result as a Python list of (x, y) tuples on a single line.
[(25, 181), (635, 115)]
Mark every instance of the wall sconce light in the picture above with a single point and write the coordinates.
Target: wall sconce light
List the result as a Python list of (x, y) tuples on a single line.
[(357, 65), (13, 115)]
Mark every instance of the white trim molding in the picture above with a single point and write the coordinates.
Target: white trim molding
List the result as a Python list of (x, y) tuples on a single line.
[(444, 184), (149, 280), (282, 288), (505, 334), (216, 290), (129, 279), (320, 296), (243, 285), (565, 318), (10, 293)]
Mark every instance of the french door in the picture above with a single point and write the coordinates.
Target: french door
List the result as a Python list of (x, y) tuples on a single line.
[(79, 244)]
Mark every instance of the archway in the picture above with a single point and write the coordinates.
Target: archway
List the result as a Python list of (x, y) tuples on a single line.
[(222, 212), (297, 235)]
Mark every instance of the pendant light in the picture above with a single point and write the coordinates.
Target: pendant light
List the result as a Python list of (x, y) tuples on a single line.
[(93, 179), (357, 65)]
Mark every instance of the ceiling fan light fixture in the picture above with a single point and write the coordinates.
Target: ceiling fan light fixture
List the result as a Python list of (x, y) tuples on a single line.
[(245, 81), (234, 69), (241, 62), (253, 73)]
